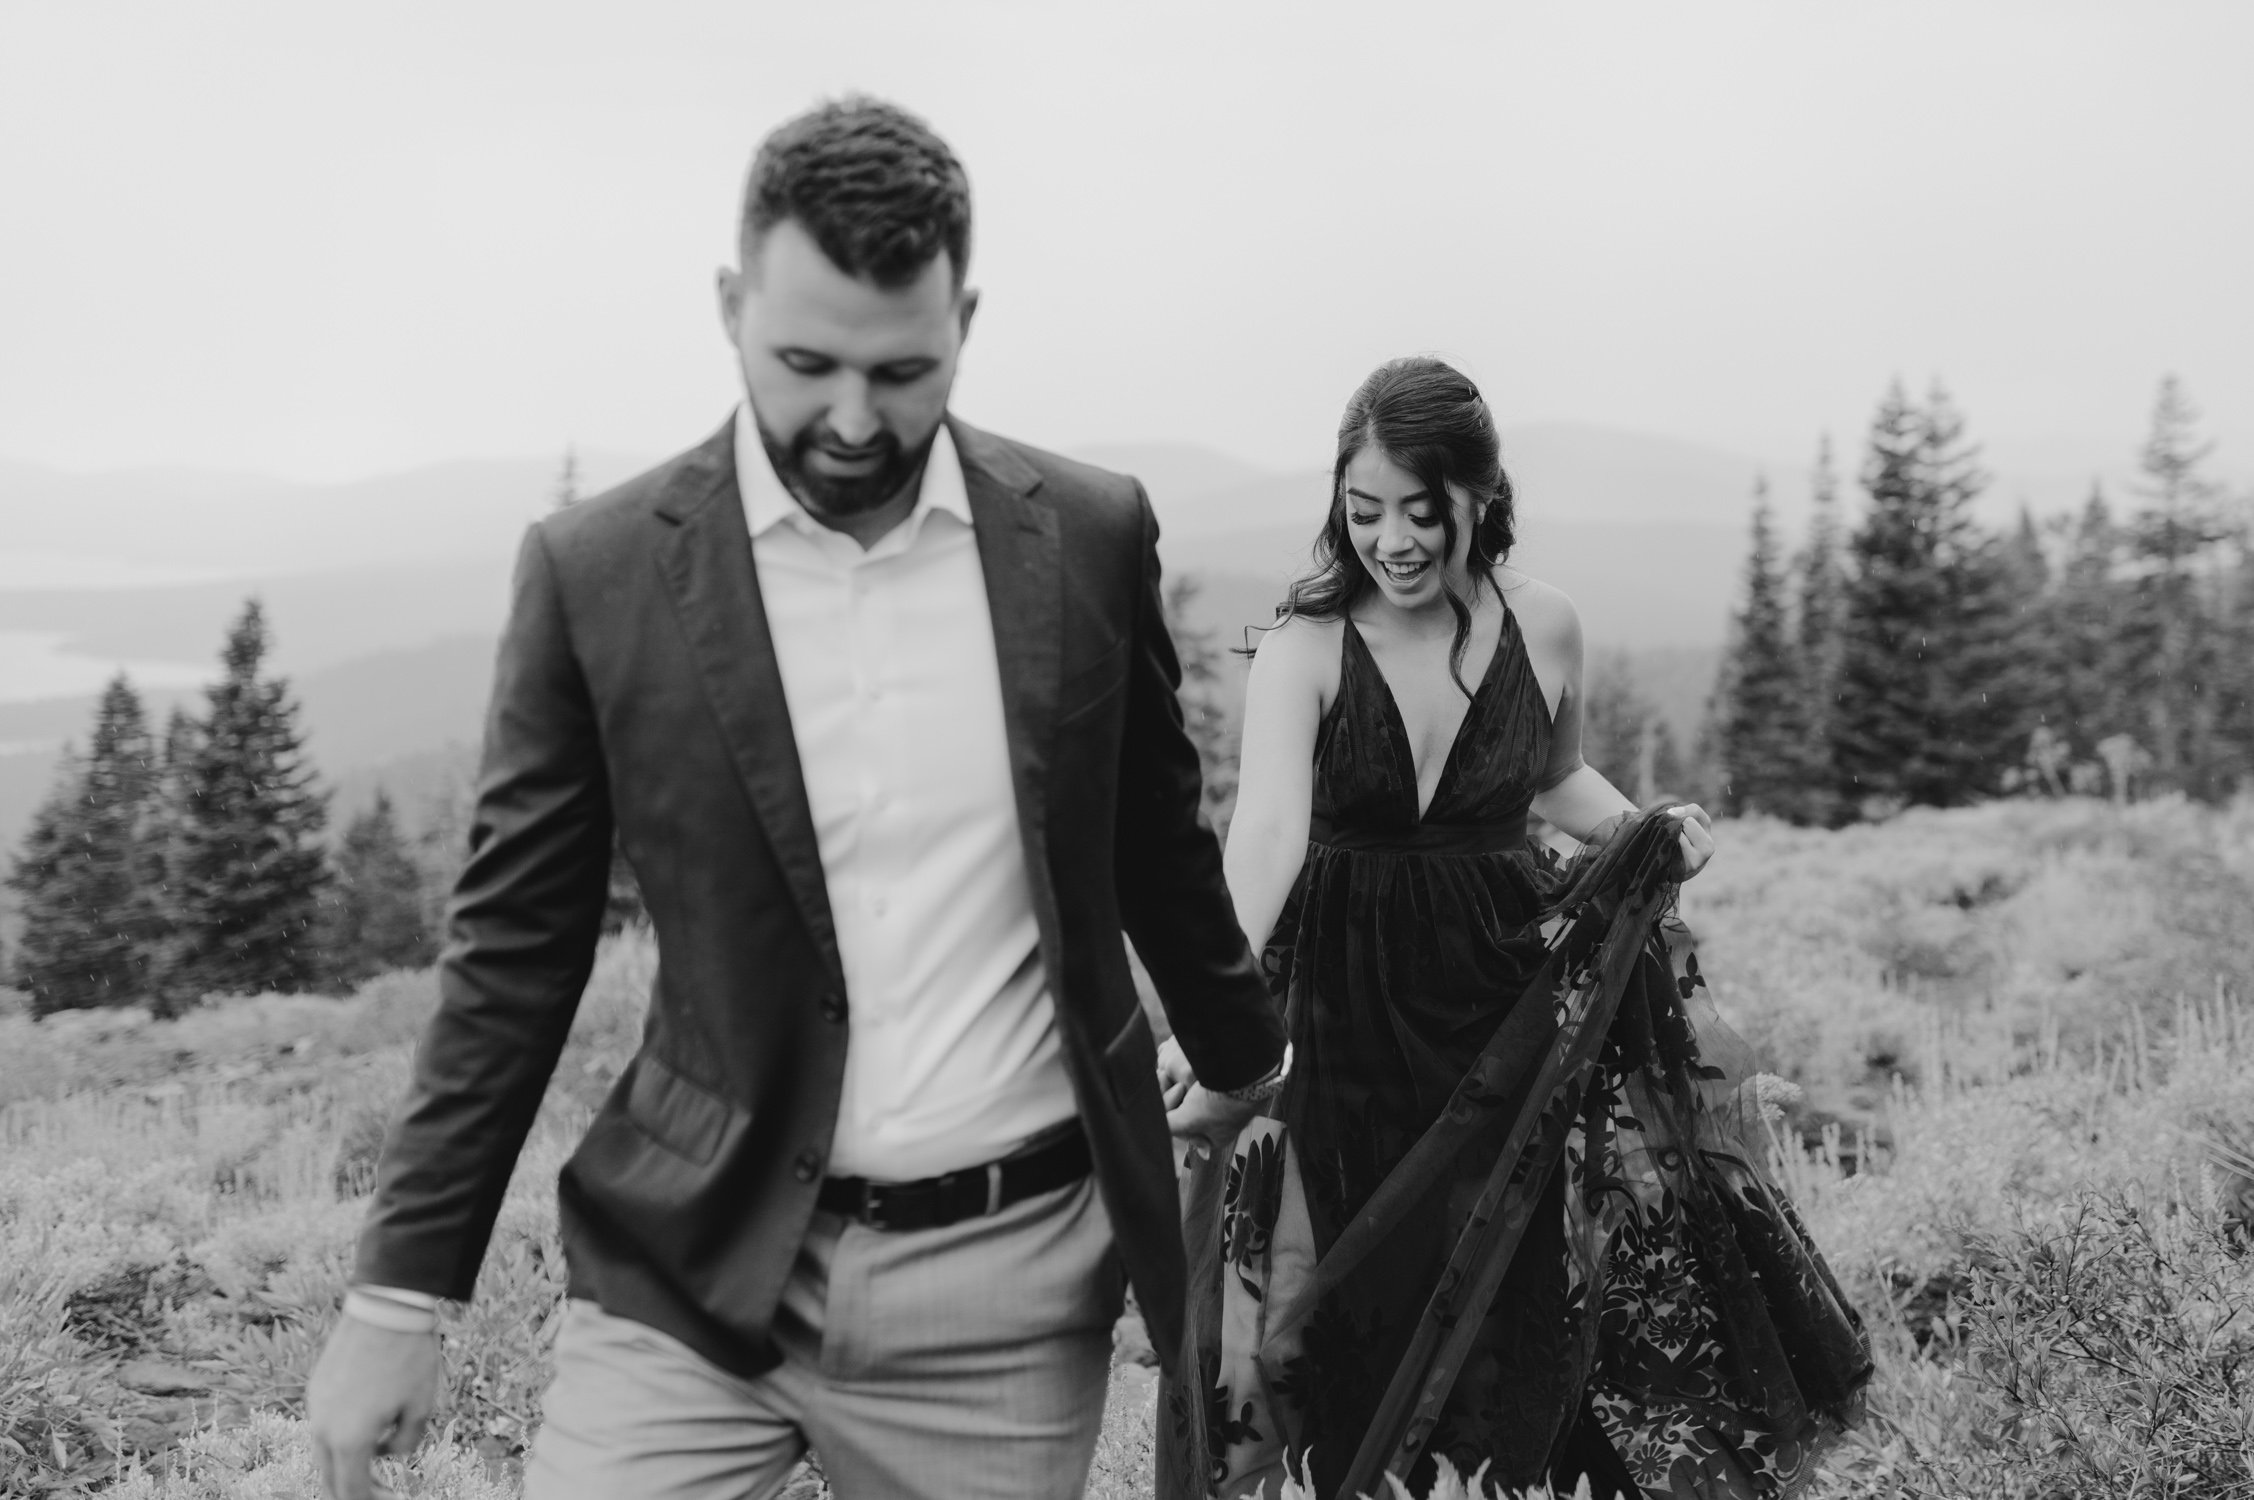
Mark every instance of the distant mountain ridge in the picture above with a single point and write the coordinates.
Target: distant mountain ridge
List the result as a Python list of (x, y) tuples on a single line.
[(248, 525), (384, 595), (1575, 471), (319, 620)]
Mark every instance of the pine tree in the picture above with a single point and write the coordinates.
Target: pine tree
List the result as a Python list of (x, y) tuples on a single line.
[(1204, 700), (1822, 577), (2234, 707), (2035, 659), (1988, 682), (2000, 671), (121, 798), (90, 918), (1894, 597), (1616, 720), (45, 958), (377, 922), (2084, 629), (2171, 635), (250, 873), (444, 838), (565, 492), (1933, 704), (172, 990), (1768, 764), (1670, 774)]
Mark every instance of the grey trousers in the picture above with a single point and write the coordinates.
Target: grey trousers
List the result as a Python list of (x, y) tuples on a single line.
[(953, 1363)]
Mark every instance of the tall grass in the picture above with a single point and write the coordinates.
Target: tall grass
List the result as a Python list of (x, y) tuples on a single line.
[(2025, 1139)]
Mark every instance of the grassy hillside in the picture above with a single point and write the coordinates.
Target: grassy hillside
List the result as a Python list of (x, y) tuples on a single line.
[(2019, 1033)]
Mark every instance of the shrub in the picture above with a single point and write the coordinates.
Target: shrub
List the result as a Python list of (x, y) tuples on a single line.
[(1970, 1153), (2120, 1341)]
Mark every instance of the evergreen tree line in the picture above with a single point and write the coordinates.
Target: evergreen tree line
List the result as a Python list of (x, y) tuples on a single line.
[(1923, 659), (161, 870)]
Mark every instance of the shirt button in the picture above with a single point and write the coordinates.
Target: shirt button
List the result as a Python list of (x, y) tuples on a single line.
[(807, 1167), (833, 1006), (876, 907)]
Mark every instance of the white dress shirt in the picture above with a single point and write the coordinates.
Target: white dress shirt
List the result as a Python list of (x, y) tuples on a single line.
[(887, 659)]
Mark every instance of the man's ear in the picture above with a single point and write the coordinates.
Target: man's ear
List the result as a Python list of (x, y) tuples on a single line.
[(728, 287), (966, 306)]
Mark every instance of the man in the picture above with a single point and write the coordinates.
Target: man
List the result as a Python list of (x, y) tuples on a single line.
[(881, 708)]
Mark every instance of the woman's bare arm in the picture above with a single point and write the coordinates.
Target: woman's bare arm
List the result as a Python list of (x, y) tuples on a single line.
[(1283, 708), (1576, 796), (1294, 673)]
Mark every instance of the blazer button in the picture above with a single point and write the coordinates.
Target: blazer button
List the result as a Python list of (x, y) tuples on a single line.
[(833, 1006), (807, 1167)]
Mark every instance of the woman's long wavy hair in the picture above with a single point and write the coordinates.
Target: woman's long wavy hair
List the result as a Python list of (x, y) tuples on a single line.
[(1427, 417)]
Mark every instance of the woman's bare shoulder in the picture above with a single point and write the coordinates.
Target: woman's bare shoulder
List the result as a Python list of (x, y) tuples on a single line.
[(1300, 650), (1545, 612), (1298, 638)]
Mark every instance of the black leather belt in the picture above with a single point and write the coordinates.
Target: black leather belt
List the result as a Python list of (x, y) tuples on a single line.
[(954, 1196)]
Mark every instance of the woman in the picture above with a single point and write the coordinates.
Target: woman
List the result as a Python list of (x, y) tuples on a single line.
[(1505, 1210)]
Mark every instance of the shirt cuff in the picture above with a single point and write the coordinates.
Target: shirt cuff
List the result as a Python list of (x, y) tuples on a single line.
[(1264, 1089), (394, 1309)]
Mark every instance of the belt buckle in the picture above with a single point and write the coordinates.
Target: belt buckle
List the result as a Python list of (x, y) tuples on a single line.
[(875, 1196)]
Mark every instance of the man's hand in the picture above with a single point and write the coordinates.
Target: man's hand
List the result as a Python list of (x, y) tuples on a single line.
[(372, 1392), (1209, 1121), (1175, 1076)]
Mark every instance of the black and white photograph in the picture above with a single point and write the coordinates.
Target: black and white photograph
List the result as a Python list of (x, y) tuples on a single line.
[(995, 750)]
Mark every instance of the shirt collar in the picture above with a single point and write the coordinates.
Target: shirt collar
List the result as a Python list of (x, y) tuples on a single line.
[(768, 502)]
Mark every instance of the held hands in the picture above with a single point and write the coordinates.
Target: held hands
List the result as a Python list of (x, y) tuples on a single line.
[(372, 1392), (1208, 1121)]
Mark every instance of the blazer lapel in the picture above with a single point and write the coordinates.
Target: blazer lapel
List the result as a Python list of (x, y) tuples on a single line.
[(705, 557), (1020, 552)]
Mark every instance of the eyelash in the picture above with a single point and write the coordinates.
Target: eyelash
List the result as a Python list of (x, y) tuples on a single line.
[(1422, 523)]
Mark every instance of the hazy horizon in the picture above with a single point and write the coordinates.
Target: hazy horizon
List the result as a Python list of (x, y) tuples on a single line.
[(325, 246)]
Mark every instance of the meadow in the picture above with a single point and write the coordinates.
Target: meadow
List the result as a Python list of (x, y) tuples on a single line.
[(2021, 1124)]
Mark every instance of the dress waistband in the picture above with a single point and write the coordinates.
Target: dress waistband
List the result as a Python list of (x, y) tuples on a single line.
[(1498, 836)]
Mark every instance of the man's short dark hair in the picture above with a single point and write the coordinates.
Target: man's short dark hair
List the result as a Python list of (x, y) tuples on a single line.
[(879, 192)]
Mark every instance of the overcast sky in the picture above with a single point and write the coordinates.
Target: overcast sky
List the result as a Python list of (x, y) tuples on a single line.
[(330, 240)]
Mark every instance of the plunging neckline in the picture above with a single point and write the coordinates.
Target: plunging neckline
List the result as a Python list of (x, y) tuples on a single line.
[(1398, 724)]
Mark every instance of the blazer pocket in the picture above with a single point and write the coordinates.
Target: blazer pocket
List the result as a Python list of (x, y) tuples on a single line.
[(1093, 685), (1131, 1060), (685, 1118)]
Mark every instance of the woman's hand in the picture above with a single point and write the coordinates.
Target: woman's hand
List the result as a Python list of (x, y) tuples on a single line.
[(1697, 837), (1206, 1121)]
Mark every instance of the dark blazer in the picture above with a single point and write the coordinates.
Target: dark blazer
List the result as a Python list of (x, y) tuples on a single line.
[(637, 691)]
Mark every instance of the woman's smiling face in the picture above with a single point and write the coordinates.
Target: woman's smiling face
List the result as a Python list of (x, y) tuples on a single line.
[(1395, 523)]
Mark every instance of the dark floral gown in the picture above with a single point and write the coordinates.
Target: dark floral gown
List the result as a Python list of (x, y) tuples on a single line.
[(1511, 1209)]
